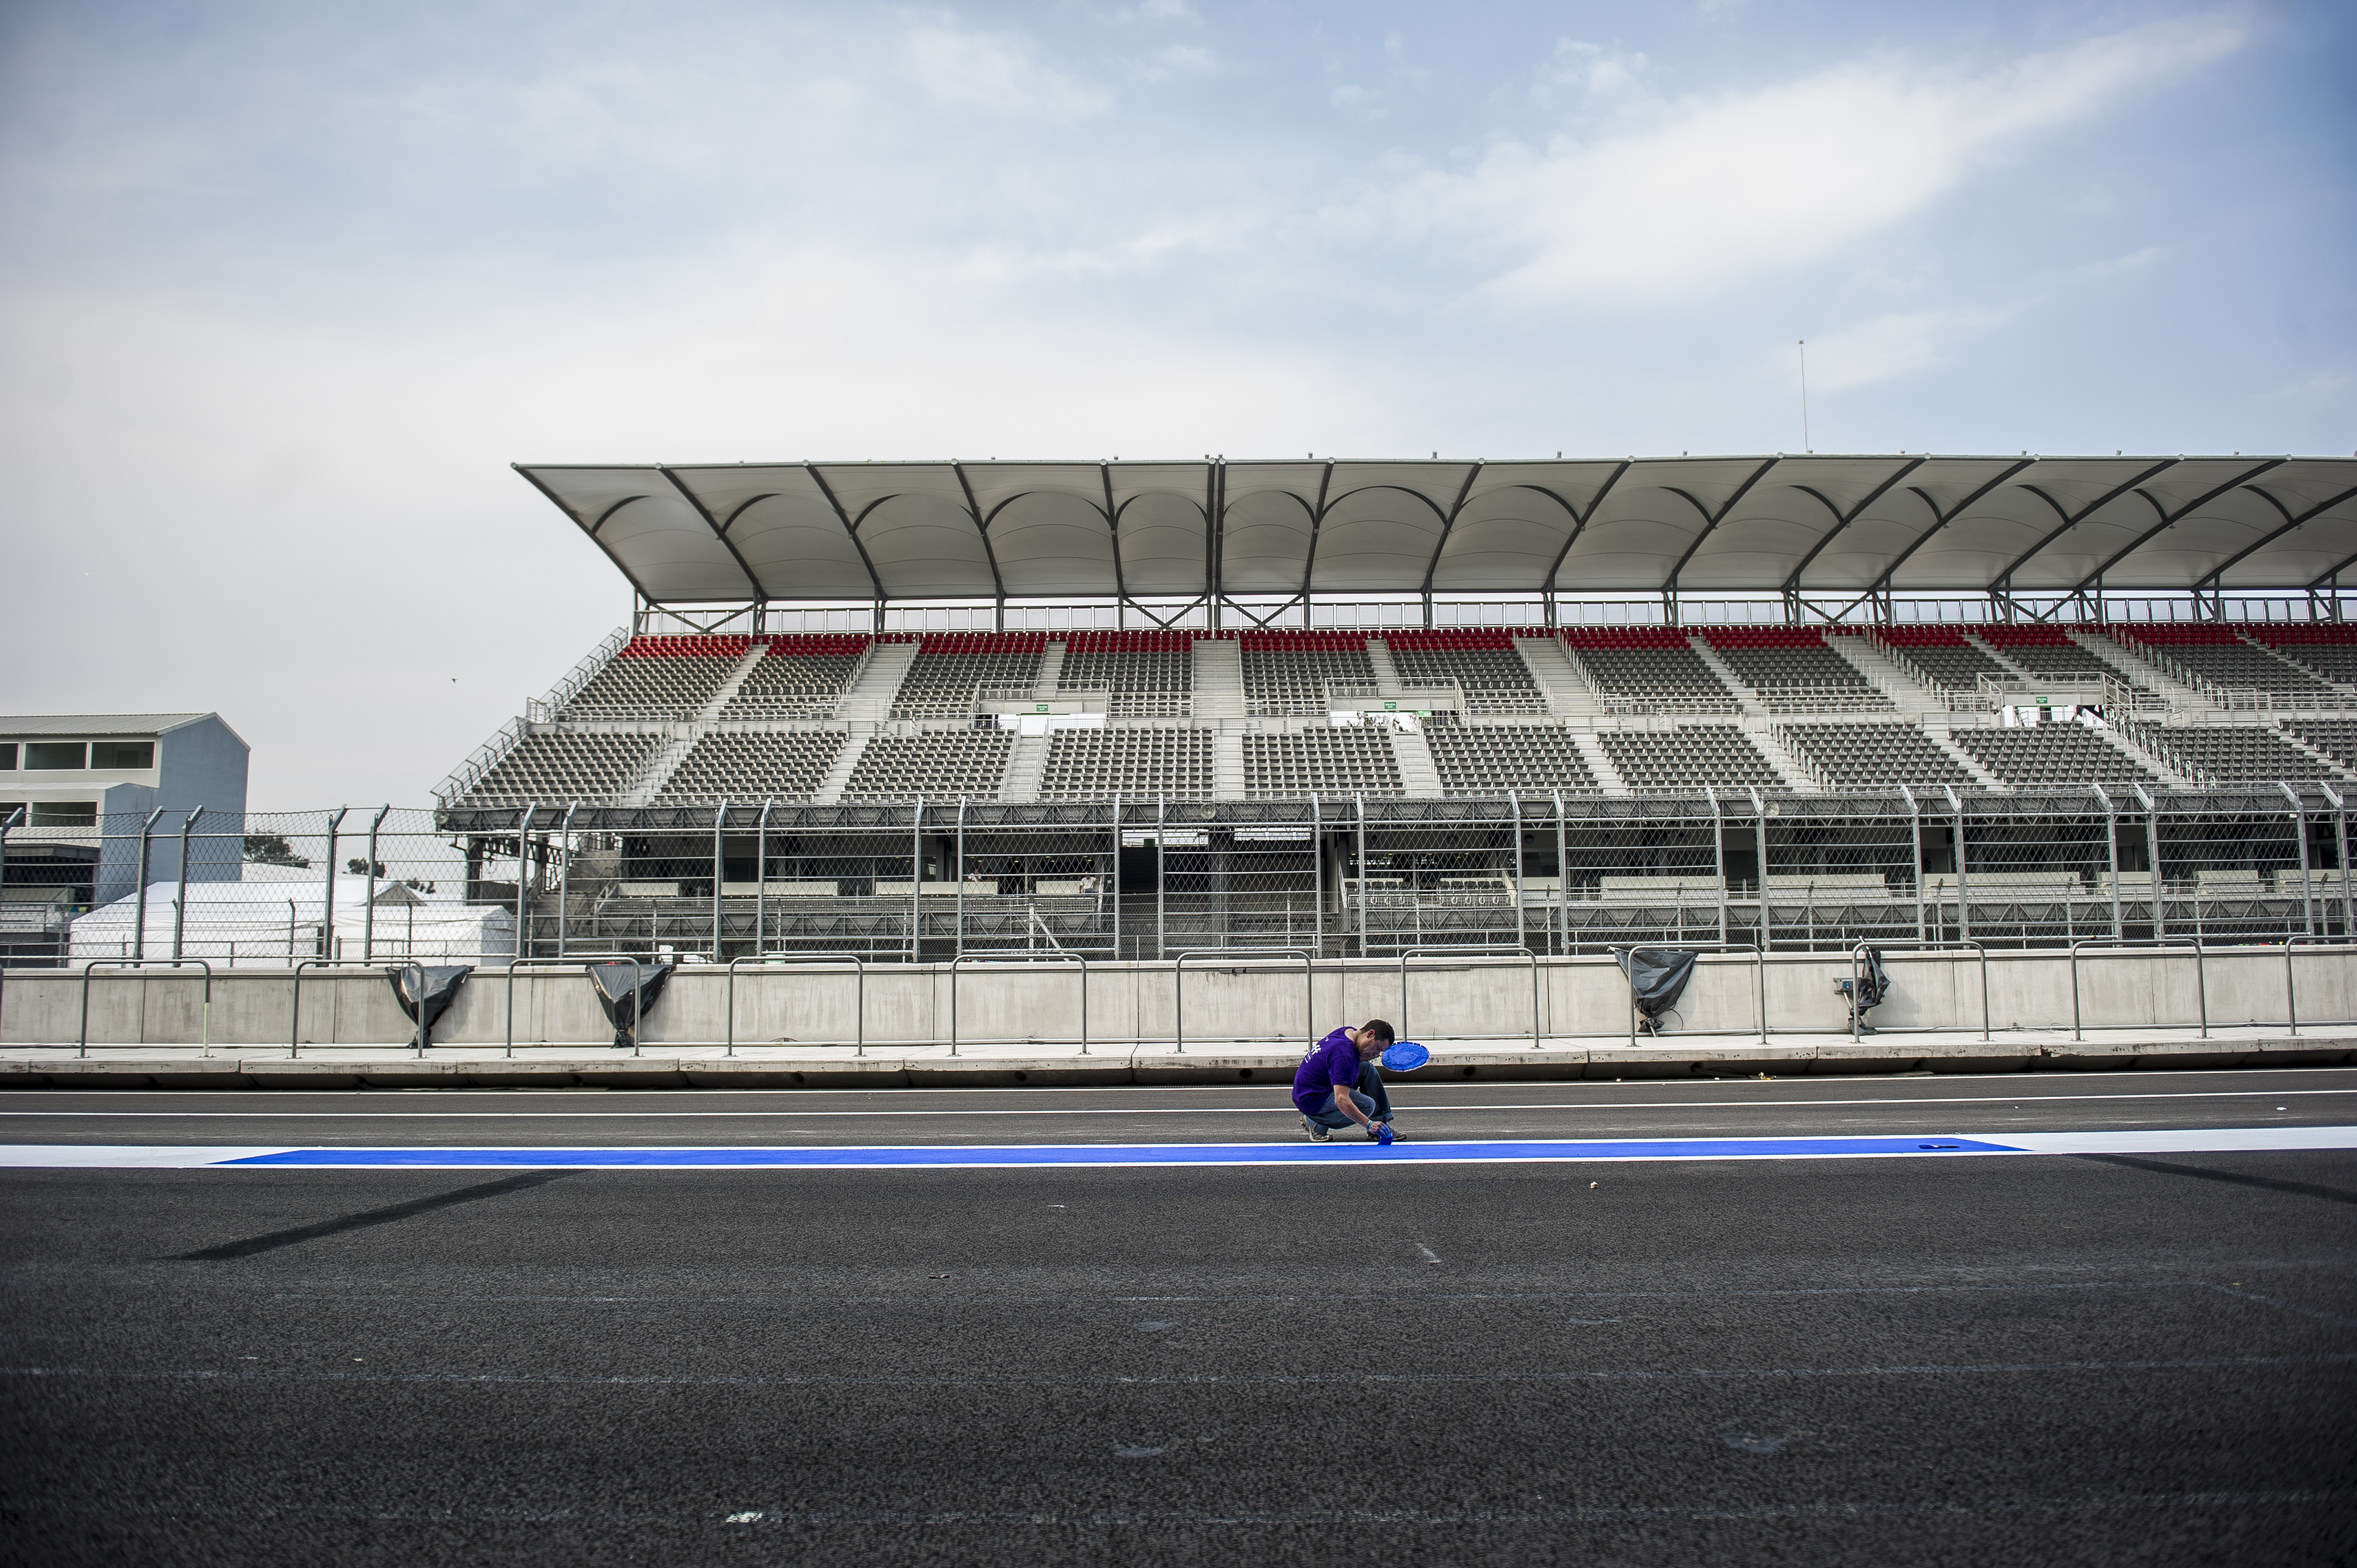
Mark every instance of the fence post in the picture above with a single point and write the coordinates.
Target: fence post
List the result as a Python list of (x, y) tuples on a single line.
[(1359, 803), (957, 935), (327, 904), (762, 878), (1521, 940), (915, 874), (368, 916), (180, 894), (146, 838), (1563, 879), (1161, 873), (2307, 894), (2152, 855), (523, 945), (2112, 854), (565, 878), (1759, 840), (1113, 873)]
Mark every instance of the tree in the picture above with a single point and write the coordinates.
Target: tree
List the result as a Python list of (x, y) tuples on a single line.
[(271, 849), (358, 866)]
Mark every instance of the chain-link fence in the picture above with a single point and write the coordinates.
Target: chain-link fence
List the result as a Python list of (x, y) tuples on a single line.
[(925, 882)]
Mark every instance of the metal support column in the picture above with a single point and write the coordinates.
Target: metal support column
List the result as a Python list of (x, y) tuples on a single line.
[(1316, 876), (2112, 854), (957, 874), (1717, 856), (1562, 878), (1359, 802), (1112, 882), (1963, 876), (1759, 840), (1161, 873)]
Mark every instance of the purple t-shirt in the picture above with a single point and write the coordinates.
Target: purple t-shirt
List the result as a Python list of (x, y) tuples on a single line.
[(1331, 1067)]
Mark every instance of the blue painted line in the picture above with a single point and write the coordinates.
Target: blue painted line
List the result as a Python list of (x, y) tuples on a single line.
[(870, 1157)]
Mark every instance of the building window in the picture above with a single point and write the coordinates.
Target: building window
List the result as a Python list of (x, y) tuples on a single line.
[(123, 754), (8, 810), (54, 754), (65, 814), (8, 754)]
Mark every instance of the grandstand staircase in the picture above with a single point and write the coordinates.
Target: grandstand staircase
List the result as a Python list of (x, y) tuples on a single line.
[(1888, 676), (1419, 775), (1219, 677), (1387, 676), (1993, 652), (1027, 762), (656, 771), (1745, 697), (831, 783), (1600, 762), (1788, 766), (1962, 759), (733, 684), (1051, 669), (869, 700), (2122, 655), (1227, 761), (1567, 697)]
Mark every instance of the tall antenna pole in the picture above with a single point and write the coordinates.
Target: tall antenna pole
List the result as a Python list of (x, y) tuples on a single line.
[(1805, 395)]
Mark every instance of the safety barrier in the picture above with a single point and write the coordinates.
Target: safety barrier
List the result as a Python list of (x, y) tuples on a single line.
[(295, 995), (1406, 953)]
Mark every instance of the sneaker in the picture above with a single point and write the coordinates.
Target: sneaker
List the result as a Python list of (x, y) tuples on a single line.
[(1374, 1136), (1318, 1132)]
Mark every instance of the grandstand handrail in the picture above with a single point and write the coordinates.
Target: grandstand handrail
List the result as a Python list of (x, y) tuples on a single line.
[(480, 761), (592, 664)]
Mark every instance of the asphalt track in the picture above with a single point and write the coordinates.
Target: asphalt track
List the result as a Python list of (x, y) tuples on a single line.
[(2136, 1358)]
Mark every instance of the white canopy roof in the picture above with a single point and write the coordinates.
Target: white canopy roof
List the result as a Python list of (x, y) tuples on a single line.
[(716, 533)]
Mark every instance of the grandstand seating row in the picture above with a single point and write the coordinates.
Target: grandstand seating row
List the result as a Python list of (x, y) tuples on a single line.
[(1151, 676)]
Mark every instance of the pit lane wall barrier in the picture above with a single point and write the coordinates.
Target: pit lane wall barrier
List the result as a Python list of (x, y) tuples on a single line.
[(1257, 1001)]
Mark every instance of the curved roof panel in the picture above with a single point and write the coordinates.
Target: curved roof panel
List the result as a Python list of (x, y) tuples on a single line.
[(1821, 523)]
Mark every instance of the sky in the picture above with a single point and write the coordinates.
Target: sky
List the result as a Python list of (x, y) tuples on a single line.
[(285, 289)]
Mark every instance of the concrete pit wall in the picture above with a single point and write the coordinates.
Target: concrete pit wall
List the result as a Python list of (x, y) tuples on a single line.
[(1265, 1005)]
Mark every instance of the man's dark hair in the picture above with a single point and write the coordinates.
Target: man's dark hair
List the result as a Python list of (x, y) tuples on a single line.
[(1378, 1028)]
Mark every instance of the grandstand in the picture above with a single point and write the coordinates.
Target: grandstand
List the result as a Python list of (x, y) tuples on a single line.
[(918, 708)]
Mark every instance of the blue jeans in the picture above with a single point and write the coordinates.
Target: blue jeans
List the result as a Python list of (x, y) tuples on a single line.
[(1369, 1095)]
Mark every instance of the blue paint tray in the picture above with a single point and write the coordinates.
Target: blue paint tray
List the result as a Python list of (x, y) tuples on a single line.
[(1405, 1056)]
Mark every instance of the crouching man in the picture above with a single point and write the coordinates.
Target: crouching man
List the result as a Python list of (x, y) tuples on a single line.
[(1338, 1083)]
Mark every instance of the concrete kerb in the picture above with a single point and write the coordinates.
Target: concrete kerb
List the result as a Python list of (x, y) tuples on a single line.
[(1241, 1064)]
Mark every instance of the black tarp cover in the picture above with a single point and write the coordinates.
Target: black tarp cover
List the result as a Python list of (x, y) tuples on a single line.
[(626, 992), (1874, 985), (441, 982), (1657, 977)]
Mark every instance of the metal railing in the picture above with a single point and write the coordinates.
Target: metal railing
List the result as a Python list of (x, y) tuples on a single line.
[(2158, 947), (1857, 977), (205, 1042), (1058, 958), (1238, 960), (1406, 953), (1759, 966), (295, 994), (860, 1003), (585, 964)]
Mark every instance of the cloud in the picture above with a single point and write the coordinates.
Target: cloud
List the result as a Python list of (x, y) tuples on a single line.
[(997, 74), (1695, 194), (1888, 347)]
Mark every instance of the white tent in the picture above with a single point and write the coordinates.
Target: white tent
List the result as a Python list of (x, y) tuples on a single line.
[(273, 924)]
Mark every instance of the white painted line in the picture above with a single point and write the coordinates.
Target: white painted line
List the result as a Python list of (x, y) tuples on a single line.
[(126, 1156), (2185, 1141)]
